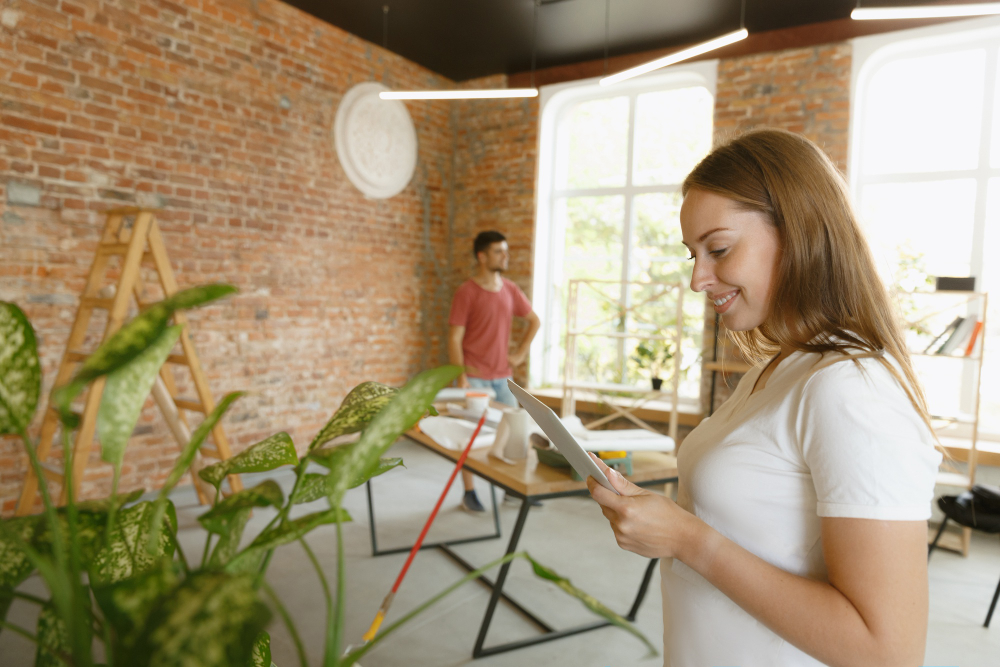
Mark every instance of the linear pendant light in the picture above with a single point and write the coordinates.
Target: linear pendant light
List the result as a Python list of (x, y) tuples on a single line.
[(695, 50), (459, 94), (925, 11)]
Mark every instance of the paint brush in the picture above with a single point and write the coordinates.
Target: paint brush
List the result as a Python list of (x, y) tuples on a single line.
[(387, 602)]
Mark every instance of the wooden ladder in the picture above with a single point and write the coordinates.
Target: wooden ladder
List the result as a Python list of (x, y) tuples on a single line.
[(138, 242)]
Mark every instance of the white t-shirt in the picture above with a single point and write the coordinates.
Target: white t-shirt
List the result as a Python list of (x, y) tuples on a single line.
[(835, 442)]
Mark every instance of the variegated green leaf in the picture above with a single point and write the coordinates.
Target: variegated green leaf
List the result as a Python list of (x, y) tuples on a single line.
[(20, 372), (126, 343), (125, 392), (53, 639), (274, 452), (358, 408), (187, 456), (261, 656), (90, 527), (283, 534), (402, 412), (126, 553), (211, 620), (126, 605), (589, 601), (104, 504), (267, 493), (229, 537), (15, 566), (312, 487)]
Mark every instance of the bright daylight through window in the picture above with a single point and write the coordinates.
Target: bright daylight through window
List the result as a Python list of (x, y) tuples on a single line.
[(612, 164), (926, 178)]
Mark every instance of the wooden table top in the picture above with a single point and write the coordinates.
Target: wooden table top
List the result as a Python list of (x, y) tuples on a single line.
[(530, 478)]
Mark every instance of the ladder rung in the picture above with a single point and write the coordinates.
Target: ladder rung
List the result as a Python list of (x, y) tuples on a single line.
[(186, 404), (52, 474), (178, 359), (75, 413), (210, 451), (76, 356), (112, 248), (96, 302)]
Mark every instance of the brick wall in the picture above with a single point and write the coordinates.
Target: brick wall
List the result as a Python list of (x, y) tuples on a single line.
[(220, 112), (803, 90)]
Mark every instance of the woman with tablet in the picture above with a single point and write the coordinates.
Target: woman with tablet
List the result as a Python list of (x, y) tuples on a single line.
[(799, 536)]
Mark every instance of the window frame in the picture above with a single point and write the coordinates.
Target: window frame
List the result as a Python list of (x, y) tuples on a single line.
[(869, 55), (556, 102)]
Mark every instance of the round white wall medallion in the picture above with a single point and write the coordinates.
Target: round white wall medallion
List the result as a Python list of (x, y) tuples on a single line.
[(375, 141)]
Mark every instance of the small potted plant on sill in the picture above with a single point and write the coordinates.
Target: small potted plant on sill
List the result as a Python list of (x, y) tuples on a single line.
[(654, 355)]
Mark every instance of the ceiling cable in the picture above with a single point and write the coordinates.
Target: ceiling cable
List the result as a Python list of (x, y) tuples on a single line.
[(743, 14), (607, 32), (534, 40), (385, 26)]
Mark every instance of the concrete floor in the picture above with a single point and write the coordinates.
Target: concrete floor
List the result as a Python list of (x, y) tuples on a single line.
[(568, 534)]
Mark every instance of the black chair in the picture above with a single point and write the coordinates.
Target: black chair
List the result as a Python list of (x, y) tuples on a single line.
[(978, 509)]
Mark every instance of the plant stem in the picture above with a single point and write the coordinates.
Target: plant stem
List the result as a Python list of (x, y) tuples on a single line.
[(282, 516), (288, 623), (327, 653), (204, 553), (338, 620), (354, 656), (80, 635)]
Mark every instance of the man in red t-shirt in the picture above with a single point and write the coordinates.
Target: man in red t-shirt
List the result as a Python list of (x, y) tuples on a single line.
[(479, 329)]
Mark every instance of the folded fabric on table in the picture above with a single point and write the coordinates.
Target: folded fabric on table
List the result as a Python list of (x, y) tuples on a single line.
[(455, 433), (631, 440), (459, 411)]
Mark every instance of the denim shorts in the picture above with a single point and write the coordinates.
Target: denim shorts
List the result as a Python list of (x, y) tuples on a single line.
[(499, 386)]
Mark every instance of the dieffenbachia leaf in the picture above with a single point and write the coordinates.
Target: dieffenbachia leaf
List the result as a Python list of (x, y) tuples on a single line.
[(126, 605), (358, 408), (589, 601), (274, 452), (211, 620), (125, 392), (402, 412), (126, 553), (126, 343), (90, 528), (313, 485), (261, 656), (283, 534), (267, 493), (229, 538), (15, 566), (53, 639), (186, 458), (20, 372), (331, 457)]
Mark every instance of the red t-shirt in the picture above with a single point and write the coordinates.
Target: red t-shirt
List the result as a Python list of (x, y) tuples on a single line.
[(486, 317)]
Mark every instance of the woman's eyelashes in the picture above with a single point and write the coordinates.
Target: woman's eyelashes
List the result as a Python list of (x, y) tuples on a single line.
[(714, 253)]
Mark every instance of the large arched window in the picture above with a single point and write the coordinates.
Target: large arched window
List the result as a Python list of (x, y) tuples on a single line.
[(925, 171), (611, 164)]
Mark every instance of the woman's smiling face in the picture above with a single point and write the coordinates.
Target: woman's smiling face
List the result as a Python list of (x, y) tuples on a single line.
[(735, 253)]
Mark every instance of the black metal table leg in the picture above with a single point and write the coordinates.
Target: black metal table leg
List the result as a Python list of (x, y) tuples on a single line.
[(515, 535), (431, 545)]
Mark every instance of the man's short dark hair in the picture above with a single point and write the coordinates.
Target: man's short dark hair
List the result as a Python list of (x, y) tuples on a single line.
[(484, 240)]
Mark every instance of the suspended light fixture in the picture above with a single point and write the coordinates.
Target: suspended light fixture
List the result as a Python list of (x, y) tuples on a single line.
[(925, 11), (695, 50), (473, 94)]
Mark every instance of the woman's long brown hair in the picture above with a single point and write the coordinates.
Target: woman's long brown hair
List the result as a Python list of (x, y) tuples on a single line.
[(828, 296)]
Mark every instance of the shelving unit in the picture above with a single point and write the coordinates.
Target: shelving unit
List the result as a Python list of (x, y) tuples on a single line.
[(725, 366), (939, 309), (601, 328)]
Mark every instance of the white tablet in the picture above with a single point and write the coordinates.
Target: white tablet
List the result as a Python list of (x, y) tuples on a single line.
[(560, 436)]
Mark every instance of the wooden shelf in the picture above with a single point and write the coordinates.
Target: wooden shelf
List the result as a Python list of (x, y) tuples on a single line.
[(727, 366)]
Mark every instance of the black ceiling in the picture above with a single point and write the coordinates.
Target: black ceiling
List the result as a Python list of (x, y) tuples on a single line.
[(466, 39)]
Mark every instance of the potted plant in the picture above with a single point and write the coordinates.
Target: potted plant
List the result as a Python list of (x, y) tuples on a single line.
[(142, 597), (654, 355)]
